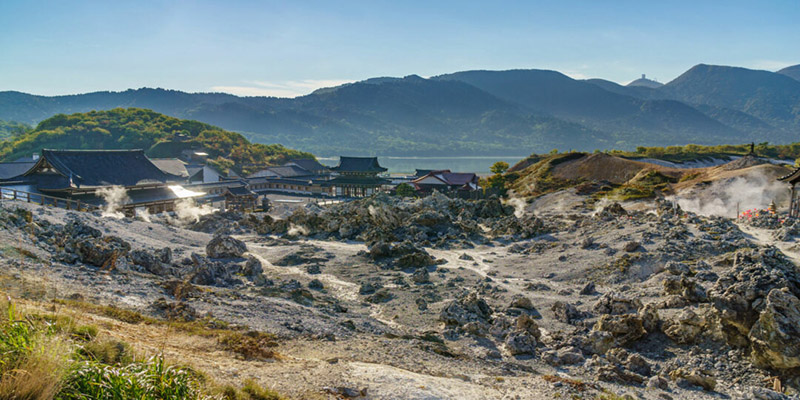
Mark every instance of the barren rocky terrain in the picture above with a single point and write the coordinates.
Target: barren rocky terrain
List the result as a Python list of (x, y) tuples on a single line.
[(437, 298)]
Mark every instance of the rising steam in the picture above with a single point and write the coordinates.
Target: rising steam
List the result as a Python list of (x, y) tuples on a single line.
[(517, 203), (754, 191), (186, 210), (114, 197)]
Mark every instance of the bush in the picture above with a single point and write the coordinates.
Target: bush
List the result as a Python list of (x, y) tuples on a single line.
[(254, 391), (250, 345), (51, 357), (111, 352), (151, 380), (30, 366)]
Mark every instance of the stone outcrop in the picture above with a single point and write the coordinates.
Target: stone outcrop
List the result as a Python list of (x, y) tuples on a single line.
[(470, 308), (224, 246), (739, 295), (775, 336)]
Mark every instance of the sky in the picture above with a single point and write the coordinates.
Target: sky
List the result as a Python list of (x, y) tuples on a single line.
[(290, 48)]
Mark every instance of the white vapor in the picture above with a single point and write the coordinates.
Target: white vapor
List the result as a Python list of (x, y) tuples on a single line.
[(280, 89), (755, 191), (188, 211), (115, 197)]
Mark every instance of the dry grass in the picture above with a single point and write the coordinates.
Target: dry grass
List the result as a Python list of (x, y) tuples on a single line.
[(251, 345), (59, 340), (39, 375)]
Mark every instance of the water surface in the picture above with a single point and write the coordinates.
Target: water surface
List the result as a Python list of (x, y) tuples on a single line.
[(396, 165)]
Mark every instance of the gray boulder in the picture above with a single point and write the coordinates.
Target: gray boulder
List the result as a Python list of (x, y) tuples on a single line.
[(470, 308), (775, 337), (224, 246), (101, 252), (148, 261), (520, 343)]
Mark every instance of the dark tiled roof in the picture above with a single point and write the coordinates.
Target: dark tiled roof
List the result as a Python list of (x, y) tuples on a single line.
[(286, 171), (14, 169), (315, 180), (307, 164), (30, 158), (193, 171), (241, 191), (135, 197), (347, 180), (359, 164), (172, 166), (452, 178), (422, 172), (459, 178), (792, 177), (90, 168)]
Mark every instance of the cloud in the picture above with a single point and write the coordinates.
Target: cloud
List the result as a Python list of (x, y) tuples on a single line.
[(770, 65), (576, 75), (279, 89)]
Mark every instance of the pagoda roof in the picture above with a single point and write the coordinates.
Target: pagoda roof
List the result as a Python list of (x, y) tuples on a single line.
[(792, 177), (358, 164)]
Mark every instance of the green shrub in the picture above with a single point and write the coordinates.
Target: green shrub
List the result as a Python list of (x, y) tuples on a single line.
[(151, 380), (254, 391), (51, 357), (84, 332), (16, 339), (111, 352), (250, 345)]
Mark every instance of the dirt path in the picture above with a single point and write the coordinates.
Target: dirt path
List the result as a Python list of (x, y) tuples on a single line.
[(479, 256), (763, 237)]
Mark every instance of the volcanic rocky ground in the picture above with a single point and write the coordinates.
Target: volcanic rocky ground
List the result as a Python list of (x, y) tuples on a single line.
[(444, 299)]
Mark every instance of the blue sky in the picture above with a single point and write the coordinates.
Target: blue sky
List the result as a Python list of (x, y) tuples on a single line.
[(290, 48)]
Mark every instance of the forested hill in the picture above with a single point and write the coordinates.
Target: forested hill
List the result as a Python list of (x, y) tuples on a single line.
[(12, 128), (478, 112), (135, 128)]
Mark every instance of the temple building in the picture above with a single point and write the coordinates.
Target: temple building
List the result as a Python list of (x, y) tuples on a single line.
[(240, 198), (794, 203), (88, 176), (357, 177), (445, 180)]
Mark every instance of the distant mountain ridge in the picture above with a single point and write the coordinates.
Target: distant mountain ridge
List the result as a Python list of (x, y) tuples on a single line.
[(792, 72), (513, 112), (644, 82)]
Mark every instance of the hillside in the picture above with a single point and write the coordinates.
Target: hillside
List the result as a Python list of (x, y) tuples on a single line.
[(476, 112), (628, 117), (792, 72), (158, 134), (771, 97), (644, 82), (11, 128), (410, 116)]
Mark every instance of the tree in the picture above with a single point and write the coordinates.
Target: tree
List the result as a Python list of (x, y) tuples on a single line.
[(499, 168), (404, 190)]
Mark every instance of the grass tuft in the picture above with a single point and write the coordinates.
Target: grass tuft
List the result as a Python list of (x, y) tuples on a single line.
[(251, 345)]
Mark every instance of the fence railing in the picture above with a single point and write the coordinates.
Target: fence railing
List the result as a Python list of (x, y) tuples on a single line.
[(44, 200)]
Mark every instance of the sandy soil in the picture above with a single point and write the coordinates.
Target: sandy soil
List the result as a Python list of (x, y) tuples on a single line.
[(344, 340)]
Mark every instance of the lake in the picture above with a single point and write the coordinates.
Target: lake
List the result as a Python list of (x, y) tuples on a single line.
[(396, 165)]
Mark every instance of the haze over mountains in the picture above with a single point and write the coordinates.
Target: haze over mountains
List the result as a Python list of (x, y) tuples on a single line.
[(512, 112)]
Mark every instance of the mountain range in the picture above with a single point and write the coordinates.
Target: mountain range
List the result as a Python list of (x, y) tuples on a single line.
[(513, 112)]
